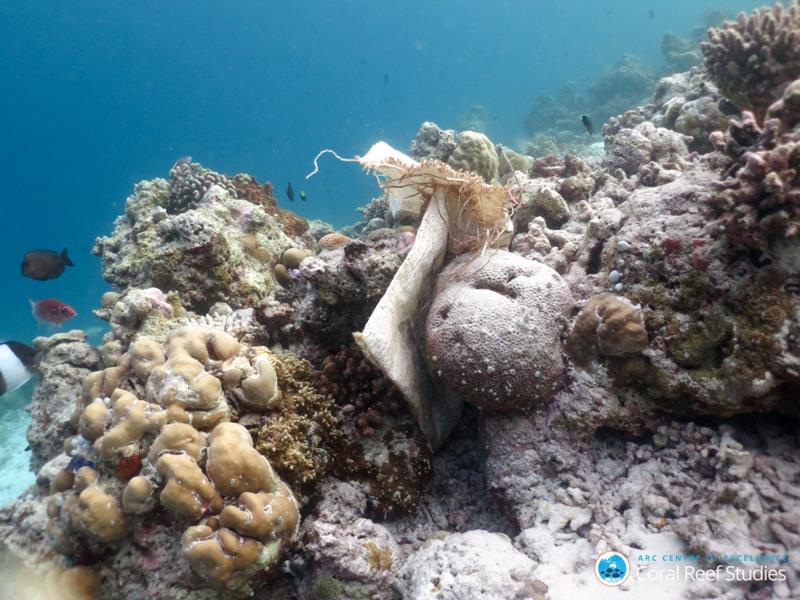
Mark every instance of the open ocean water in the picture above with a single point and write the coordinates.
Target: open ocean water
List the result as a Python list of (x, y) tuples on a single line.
[(98, 95)]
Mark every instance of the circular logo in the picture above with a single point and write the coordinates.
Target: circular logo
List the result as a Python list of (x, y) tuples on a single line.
[(612, 568)]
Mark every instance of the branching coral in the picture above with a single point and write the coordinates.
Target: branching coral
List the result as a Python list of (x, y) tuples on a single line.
[(295, 439), (377, 443), (753, 57), (759, 202)]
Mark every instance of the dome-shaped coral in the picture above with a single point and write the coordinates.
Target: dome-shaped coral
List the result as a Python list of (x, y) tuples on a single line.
[(493, 330)]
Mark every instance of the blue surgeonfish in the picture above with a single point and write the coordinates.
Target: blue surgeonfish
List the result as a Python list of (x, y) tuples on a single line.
[(16, 365)]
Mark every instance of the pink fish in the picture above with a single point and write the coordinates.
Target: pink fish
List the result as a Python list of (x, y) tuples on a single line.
[(52, 311)]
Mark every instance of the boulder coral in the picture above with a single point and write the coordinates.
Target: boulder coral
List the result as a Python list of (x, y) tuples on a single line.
[(493, 331), (475, 153)]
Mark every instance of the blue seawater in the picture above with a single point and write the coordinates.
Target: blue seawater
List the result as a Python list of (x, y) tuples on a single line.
[(99, 94)]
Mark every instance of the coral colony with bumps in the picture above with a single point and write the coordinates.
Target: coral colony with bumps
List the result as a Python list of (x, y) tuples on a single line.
[(510, 366)]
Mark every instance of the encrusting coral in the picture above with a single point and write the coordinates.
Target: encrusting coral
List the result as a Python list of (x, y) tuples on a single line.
[(752, 57), (608, 325)]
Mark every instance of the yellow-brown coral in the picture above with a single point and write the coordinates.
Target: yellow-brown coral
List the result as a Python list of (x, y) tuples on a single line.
[(331, 241), (179, 437), (217, 555), (263, 515), (133, 418), (183, 380), (609, 325), (188, 491), (234, 466), (96, 514), (136, 495)]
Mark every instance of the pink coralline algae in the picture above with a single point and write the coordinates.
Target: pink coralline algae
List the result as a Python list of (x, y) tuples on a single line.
[(159, 300)]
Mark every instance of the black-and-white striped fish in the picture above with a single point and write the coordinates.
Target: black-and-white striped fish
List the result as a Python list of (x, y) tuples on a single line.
[(793, 285), (16, 365)]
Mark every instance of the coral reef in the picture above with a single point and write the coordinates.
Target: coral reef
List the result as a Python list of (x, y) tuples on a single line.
[(620, 87), (554, 356), (679, 54), (475, 119), (211, 248), (753, 57), (153, 454)]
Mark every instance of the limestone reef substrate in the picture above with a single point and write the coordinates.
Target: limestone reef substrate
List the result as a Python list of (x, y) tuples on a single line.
[(554, 356)]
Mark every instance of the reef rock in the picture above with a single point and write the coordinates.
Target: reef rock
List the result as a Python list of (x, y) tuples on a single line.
[(65, 359), (433, 142), (474, 564), (211, 239), (632, 149)]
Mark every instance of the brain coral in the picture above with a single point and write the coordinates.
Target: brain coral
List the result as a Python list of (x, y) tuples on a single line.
[(493, 330), (753, 57)]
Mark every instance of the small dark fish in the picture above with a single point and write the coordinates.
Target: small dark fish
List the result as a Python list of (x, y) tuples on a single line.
[(16, 365), (385, 79), (290, 192), (587, 122), (303, 196), (651, 14), (45, 264), (52, 311), (730, 108)]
